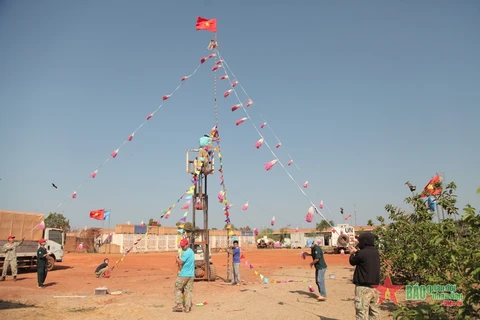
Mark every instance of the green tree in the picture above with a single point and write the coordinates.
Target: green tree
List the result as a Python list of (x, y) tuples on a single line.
[(57, 220), (265, 232), (414, 249), (370, 223), (324, 224), (152, 222)]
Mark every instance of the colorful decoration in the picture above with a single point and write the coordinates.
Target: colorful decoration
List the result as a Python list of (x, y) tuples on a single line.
[(309, 216), (269, 165), (113, 155)]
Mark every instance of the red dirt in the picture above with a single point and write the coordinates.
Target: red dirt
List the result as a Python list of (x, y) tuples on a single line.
[(146, 282), (77, 270)]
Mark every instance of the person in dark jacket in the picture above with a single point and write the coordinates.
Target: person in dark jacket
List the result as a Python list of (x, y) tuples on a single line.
[(366, 275), (102, 269), (42, 263)]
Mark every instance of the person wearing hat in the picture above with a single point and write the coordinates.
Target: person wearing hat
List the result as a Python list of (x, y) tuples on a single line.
[(42, 255), (320, 268), (10, 250), (204, 151), (184, 282)]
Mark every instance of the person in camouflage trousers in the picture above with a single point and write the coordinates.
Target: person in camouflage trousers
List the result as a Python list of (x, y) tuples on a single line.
[(366, 276), (185, 278), (366, 303), (10, 250)]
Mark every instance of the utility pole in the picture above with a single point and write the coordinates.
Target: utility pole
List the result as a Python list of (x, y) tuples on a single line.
[(355, 214)]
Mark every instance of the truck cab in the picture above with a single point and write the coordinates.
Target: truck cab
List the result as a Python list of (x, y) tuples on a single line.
[(55, 242)]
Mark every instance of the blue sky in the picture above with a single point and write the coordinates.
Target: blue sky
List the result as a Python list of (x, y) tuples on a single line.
[(363, 95)]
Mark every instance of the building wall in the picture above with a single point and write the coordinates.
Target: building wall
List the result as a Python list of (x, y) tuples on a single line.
[(164, 243)]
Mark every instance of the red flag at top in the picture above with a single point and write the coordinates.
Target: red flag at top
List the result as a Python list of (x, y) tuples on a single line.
[(430, 189), (97, 214), (206, 24)]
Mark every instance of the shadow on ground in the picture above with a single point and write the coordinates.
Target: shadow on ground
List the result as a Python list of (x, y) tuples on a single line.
[(388, 306), (305, 293), (4, 305)]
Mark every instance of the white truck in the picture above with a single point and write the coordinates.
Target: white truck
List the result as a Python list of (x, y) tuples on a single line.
[(343, 235), (298, 240), (22, 224)]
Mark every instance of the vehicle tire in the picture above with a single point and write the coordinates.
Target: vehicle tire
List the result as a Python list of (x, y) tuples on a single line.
[(199, 272), (50, 263), (213, 273)]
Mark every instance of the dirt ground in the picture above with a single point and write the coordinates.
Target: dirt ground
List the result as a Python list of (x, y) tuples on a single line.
[(147, 280)]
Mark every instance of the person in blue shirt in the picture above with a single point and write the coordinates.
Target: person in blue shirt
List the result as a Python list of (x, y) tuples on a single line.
[(205, 148), (236, 263), (184, 282)]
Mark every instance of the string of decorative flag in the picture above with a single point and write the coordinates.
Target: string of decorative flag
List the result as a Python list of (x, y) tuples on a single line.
[(263, 278), (262, 141), (137, 241), (114, 154), (165, 214), (222, 195)]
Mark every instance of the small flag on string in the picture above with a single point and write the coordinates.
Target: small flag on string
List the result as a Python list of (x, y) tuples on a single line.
[(321, 204), (269, 165), (245, 206), (309, 216), (278, 145), (240, 121), (273, 221), (263, 125), (259, 143), (115, 153), (150, 116), (234, 83), (130, 137), (249, 103), (290, 163), (235, 107), (74, 195), (94, 174), (40, 226), (305, 185)]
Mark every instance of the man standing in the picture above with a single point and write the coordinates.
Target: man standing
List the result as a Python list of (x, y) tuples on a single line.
[(367, 275), (184, 282), (235, 252), (10, 250), (42, 263), (320, 268)]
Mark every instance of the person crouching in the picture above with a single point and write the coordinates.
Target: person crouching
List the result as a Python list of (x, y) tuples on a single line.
[(101, 269)]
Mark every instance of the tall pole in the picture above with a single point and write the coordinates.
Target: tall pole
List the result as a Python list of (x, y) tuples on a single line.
[(355, 214)]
